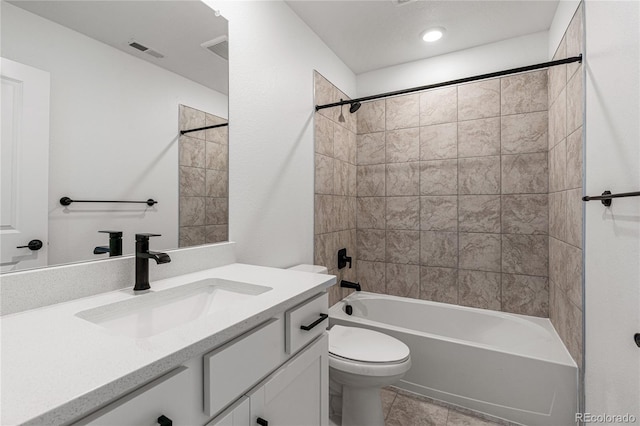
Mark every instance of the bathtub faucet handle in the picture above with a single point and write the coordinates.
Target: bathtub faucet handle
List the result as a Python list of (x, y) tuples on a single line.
[(343, 259)]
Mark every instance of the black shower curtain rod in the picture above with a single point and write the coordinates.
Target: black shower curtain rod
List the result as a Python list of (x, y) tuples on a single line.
[(182, 132), (458, 81)]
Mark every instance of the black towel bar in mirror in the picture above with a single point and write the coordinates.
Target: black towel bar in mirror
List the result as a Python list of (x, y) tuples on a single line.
[(65, 201), (607, 196)]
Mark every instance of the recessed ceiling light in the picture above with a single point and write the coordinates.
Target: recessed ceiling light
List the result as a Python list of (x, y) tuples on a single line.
[(433, 34)]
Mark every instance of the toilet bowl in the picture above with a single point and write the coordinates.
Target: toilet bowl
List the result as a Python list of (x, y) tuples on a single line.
[(361, 362)]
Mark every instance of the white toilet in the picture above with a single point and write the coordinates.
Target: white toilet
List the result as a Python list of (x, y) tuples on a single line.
[(361, 362)]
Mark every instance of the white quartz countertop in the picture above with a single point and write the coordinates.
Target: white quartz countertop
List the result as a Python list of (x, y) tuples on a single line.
[(57, 366)]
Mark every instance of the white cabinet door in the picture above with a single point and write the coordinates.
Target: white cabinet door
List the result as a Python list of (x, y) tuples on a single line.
[(237, 415), (25, 165), (297, 394)]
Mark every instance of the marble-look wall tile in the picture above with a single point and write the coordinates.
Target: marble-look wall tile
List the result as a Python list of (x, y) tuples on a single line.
[(371, 212), (479, 289), (574, 159), (574, 103), (403, 247), (371, 117), (439, 141), (323, 135), (575, 36), (525, 133), (439, 106), (191, 118), (216, 233), (558, 215), (403, 213), (324, 174), (479, 175), (324, 213), (480, 252), (479, 213), (216, 211), (217, 183), (402, 112), (439, 213), (371, 245), (370, 148), (573, 285), (574, 218), (218, 135), (525, 214), (217, 156), (526, 92), (525, 254), (403, 145), (192, 152), (352, 188), (569, 326), (192, 211), (371, 276), (557, 262), (403, 179), (526, 295), (439, 177), (439, 284), (192, 181), (370, 181), (323, 249), (479, 100), (341, 213), (403, 280), (479, 137), (558, 119), (439, 249), (191, 236), (341, 144), (340, 177), (558, 74), (558, 167), (525, 173)]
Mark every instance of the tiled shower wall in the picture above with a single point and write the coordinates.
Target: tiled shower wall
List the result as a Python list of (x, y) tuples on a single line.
[(335, 184), (452, 195), (203, 175), (565, 191)]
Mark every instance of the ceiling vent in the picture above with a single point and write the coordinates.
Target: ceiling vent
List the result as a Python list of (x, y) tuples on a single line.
[(403, 2), (145, 49), (218, 46)]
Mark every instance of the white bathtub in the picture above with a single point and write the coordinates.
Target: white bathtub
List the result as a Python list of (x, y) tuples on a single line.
[(510, 366)]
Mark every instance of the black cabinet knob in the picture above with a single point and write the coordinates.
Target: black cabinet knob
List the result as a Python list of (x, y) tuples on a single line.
[(262, 422), (165, 421), (33, 245)]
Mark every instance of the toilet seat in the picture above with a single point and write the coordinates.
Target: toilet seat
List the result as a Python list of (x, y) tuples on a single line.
[(366, 352)]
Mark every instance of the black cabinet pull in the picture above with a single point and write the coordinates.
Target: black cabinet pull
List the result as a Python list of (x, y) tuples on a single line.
[(164, 421), (33, 245), (316, 322), (262, 422)]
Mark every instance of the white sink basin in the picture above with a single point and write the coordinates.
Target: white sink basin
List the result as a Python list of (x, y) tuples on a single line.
[(156, 312)]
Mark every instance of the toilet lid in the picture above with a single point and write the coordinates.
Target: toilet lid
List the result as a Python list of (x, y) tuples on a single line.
[(364, 345)]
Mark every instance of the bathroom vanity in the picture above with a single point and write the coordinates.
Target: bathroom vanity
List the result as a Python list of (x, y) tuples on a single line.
[(231, 345)]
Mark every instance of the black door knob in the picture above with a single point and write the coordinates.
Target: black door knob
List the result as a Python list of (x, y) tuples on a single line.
[(33, 245)]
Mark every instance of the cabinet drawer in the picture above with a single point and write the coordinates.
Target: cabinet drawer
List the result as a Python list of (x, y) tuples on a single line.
[(233, 368), (166, 396), (306, 321)]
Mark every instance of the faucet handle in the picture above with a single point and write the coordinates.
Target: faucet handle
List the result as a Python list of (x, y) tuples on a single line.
[(112, 233), (144, 237)]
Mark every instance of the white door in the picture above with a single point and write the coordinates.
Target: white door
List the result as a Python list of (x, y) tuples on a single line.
[(25, 165)]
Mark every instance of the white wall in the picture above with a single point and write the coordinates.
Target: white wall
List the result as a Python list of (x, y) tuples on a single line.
[(114, 127), (511, 53), (612, 239), (271, 153)]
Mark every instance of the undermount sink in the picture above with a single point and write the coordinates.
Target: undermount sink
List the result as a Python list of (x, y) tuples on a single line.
[(156, 312)]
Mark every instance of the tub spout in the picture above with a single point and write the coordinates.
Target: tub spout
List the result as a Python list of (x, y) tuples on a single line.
[(349, 284)]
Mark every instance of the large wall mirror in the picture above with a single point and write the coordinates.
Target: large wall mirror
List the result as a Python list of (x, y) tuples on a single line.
[(94, 95)]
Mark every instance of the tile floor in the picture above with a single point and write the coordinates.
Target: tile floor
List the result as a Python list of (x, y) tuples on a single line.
[(403, 408)]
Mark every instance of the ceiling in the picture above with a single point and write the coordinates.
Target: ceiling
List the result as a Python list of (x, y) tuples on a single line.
[(368, 35), (175, 29)]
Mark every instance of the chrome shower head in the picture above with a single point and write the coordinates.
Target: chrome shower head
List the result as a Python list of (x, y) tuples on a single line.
[(354, 107)]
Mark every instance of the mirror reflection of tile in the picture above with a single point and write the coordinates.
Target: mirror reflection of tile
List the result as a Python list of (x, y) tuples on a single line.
[(204, 186)]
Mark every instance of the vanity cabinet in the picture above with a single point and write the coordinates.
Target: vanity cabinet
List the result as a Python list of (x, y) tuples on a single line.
[(277, 372)]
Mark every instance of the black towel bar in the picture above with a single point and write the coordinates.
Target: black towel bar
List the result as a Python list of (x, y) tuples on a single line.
[(65, 201), (607, 196)]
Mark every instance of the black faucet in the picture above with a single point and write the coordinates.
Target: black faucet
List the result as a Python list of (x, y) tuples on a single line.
[(349, 284), (343, 259), (115, 244), (142, 260)]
